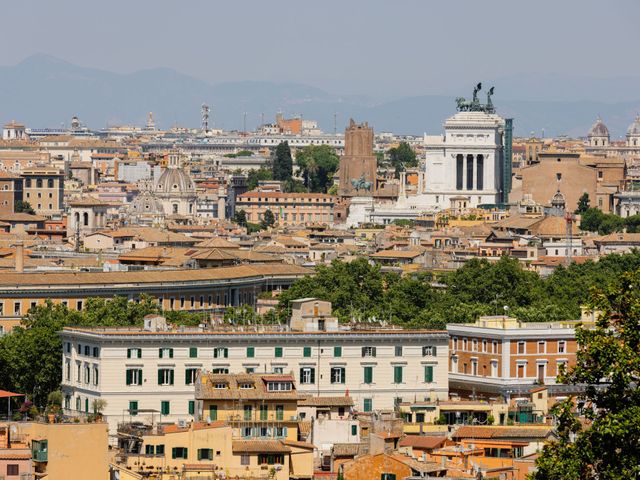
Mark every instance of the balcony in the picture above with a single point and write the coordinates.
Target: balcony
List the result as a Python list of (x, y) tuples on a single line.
[(40, 456)]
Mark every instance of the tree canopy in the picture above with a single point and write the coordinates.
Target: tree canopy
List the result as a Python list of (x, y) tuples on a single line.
[(401, 157), (583, 203), (268, 219), (318, 164), (607, 446), (22, 206), (282, 163)]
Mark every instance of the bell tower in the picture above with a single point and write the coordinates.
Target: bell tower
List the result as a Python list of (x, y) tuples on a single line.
[(358, 164)]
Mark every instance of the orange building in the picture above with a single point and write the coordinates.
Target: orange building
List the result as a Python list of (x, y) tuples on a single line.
[(287, 208), (390, 466), (504, 356)]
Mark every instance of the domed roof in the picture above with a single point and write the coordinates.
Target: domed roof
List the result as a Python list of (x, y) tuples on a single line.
[(146, 203), (634, 128), (599, 129), (174, 181)]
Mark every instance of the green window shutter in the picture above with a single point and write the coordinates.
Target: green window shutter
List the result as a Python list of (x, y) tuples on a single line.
[(133, 407), (148, 449), (397, 374), (264, 412), (200, 452), (278, 352), (337, 351), (226, 353), (428, 373), (313, 375), (354, 429), (368, 374), (185, 453), (251, 352), (139, 350), (128, 353), (160, 353), (344, 375), (160, 376), (213, 412), (171, 377), (174, 452), (159, 449), (128, 376), (306, 351), (279, 412), (192, 407), (368, 404), (165, 407), (193, 352), (171, 353), (186, 376)]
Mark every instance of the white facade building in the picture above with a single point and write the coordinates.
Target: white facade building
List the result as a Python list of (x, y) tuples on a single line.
[(138, 369)]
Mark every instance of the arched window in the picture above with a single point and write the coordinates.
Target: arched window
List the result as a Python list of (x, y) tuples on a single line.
[(50, 183), (85, 219), (39, 183)]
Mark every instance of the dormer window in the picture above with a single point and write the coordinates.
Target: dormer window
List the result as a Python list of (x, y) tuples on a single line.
[(219, 386), (279, 386), (245, 386)]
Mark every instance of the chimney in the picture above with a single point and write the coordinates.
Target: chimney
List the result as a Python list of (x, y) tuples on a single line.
[(19, 256)]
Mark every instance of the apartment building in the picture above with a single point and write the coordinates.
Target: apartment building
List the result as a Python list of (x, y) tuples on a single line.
[(287, 208), (10, 192), (155, 368), (44, 190), (503, 356)]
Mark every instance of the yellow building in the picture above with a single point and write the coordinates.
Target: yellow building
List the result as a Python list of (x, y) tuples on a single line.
[(209, 450), (63, 450), (255, 405)]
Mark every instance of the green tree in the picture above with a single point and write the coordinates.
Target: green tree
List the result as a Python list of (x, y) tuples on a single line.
[(255, 176), (401, 157), (594, 220), (240, 218), (318, 164), (22, 206), (609, 363), (282, 163), (268, 219), (583, 203)]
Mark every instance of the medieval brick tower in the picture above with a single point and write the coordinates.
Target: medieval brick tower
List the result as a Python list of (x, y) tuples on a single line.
[(358, 164)]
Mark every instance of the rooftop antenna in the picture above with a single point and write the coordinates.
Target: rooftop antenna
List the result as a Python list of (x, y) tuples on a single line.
[(244, 122), (335, 123), (205, 117)]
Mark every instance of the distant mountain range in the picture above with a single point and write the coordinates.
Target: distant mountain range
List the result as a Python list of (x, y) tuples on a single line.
[(43, 91)]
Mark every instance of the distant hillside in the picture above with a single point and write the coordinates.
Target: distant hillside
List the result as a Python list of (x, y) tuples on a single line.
[(43, 91)]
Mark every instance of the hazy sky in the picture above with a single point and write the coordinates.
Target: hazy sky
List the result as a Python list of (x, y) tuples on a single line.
[(395, 47)]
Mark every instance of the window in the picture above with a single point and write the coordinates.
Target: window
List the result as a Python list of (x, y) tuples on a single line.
[(307, 375), (245, 459), (337, 375), (165, 353), (474, 345), (78, 305), (306, 352), (67, 369), (190, 376), (213, 413), (165, 407), (95, 375), (193, 352), (562, 346), (429, 351), (388, 476), (133, 407), (428, 373), (279, 412), (368, 351), (87, 350), (248, 412), (398, 350), (474, 367), (220, 370), (87, 374), (542, 346), (96, 352), (264, 412), (279, 386), (251, 352), (278, 352), (520, 347), (149, 449), (464, 343), (220, 352), (180, 452), (354, 429), (165, 376), (270, 459), (367, 405), (134, 376), (13, 469), (16, 308), (368, 375), (397, 374), (494, 368), (484, 346), (134, 353), (160, 449), (337, 352), (205, 454), (192, 407), (494, 347), (562, 366)]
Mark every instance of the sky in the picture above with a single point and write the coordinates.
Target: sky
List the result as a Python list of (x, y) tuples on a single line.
[(370, 47)]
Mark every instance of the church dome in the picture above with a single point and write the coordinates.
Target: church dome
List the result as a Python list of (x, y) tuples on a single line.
[(634, 128), (599, 129), (146, 203), (558, 201), (174, 181)]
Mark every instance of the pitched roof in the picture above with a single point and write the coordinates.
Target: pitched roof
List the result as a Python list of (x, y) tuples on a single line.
[(206, 388), (343, 401), (21, 217), (347, 449), (259, 446), (217, 242), (397, 254), (417, 465), (422, 441), (479, 432)]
